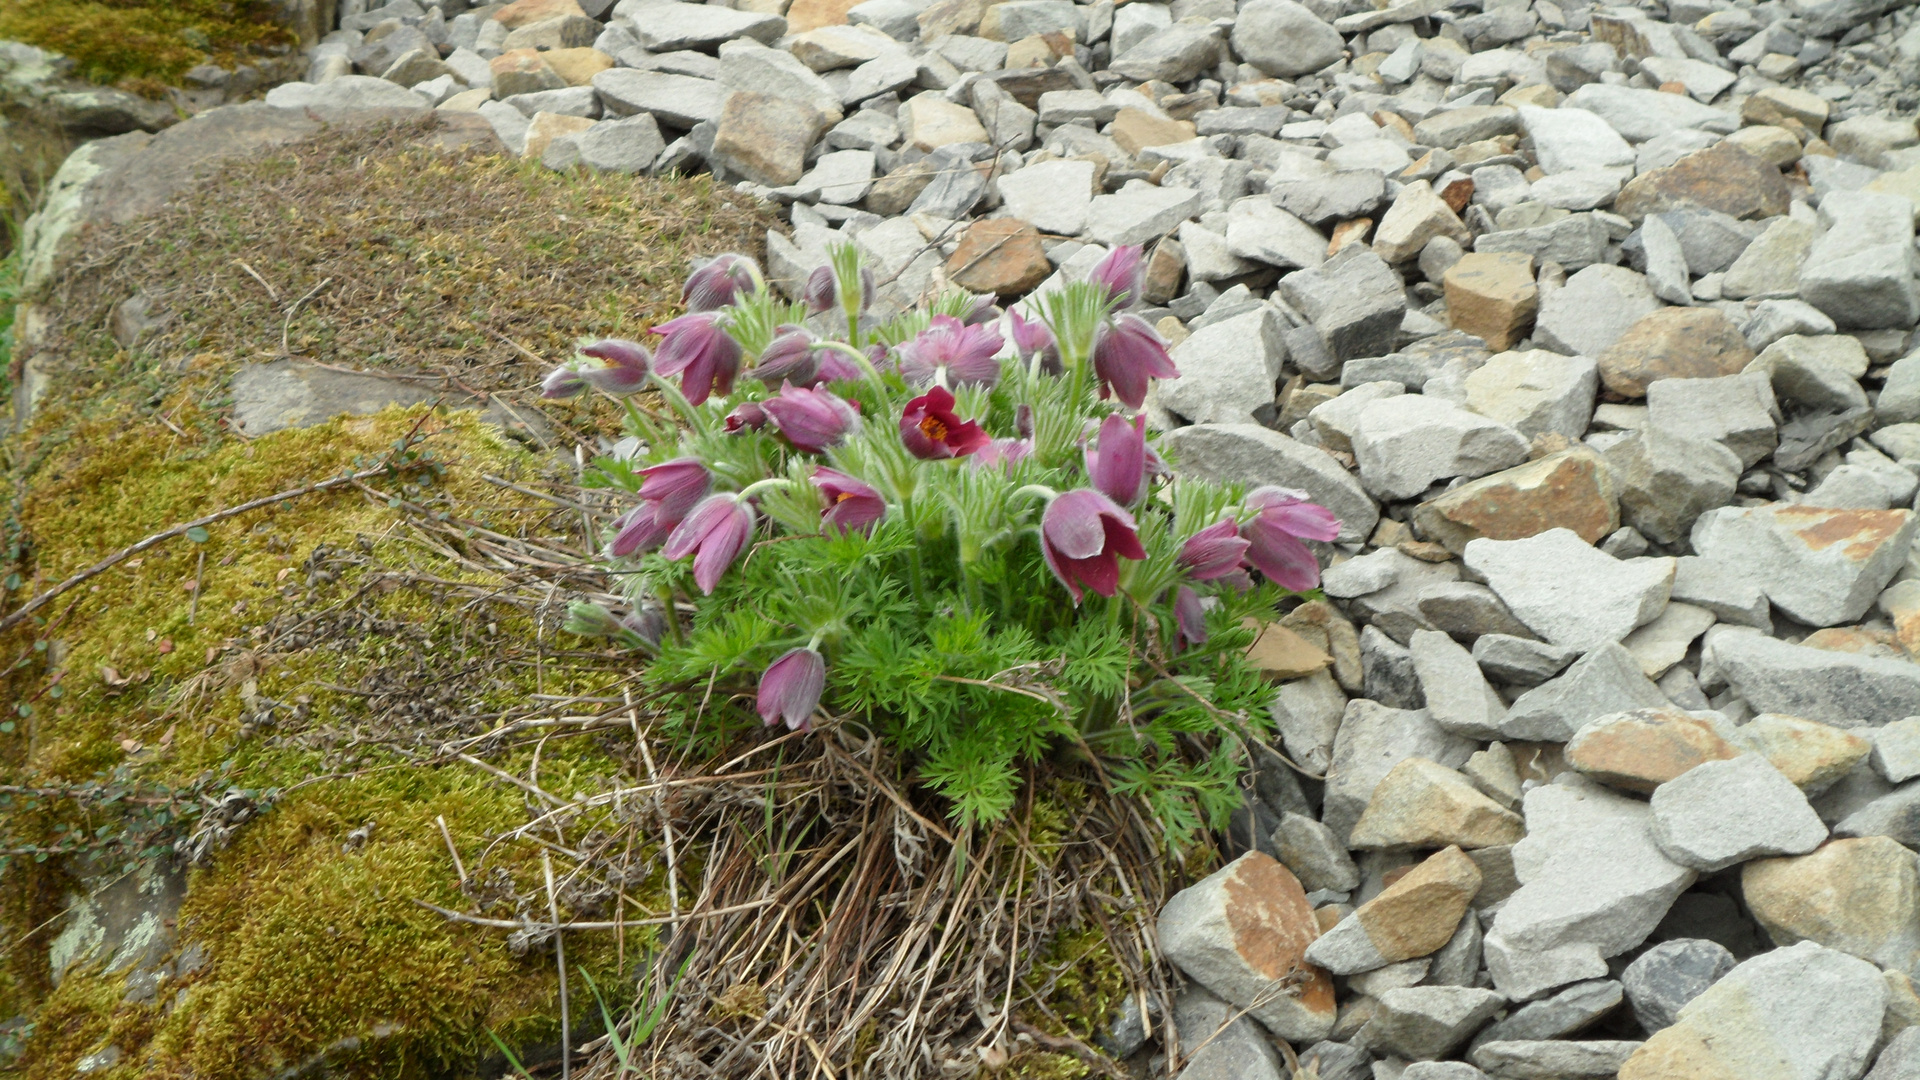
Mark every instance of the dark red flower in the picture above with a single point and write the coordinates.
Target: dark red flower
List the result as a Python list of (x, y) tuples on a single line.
[(852, 506), (1127, 354), (931, 431), (1083, 536), (698, 348)]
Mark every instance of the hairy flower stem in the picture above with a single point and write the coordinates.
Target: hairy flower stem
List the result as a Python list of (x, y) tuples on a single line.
[(694, 418)]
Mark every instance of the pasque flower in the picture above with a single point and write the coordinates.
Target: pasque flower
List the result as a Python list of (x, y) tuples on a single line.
[(612, 366), (698, 348), (822, 292), (852, 505), (1032, 338), (951, 353), (1190, 616), (746, 416), (1083, 536), (667, 492), (713, 533), (1118, 467), (717, 282), (1123, 273), (562, 382), (1282, 518), (1002, 452), (1214, 552), (1127, 353), (811, 419), (931, 430), (790, 689)]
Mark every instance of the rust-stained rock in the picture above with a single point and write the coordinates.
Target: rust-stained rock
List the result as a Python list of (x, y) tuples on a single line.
[(1412, 917), (1861, 896), (526, 12), (805, 15), (1642, 749), (1722, 177), (1423, 804), (1325, 628), (1242, 932), (1281, 654), (1821, 565), (1673, 343), (1811, 754), (1572, 489), (1001, 256), (1492, 295)]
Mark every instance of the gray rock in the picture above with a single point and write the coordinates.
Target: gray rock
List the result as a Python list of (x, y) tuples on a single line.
[(1847, 690), (1571, 139), (1590, 872), (1536, 392), (1553, 1060), (1520, 661), (1814, 1010), (345, 92), (666, 25), (508, 125), (1720, 813), (1467, 609), (1355, 300), (1896, 750), (1253, 455), (1338, 1061), (1306, 712), (1457, 694), (1284, 39), (1440, 1070), (1457, 963), (1324, 200), (1770, 265), (1737, 411), (1173, 55), (284, 394), (1387, 667), (1606, 680), (1209, 930), (1667, 480), (676, 100), (1895, 814), (1449, 128), (1261, 231), (1724, 588), (1639, 115), (1315, 855), (1227, 370), (630, 145), (1232, 1046), (1860, 271), (1423, 1023), (870, 130), (1526, 974), (1566, 1013), (580, 101), (1575, 241), (1592, 309), (1901, 1058), (1568, 592), (1823, 567), (1009, 124), (1663, 979), (1395, 609), (1372, 740), (1665, 263), (955, 188), (1139, 213), (1052, 196), (1404, 444), (1709, 239)]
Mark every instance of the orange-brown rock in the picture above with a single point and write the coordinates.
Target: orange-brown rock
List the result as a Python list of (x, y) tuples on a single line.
[(1001, 256), (578, 66), (1422, 804), (1722, 177), (1282, 654), (1413, 917), (523, 12), (1572, 489), (1137, 129), (1642, 749), (547, 127), (1811, 754), (523, 71), (1242, 932), (1492, 295), (1673, 343), (805, 15)]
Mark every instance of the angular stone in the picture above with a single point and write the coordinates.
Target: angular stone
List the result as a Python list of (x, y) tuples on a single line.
[(1593, 309), (1901, 1058), (1770, 266), (1799, 1013), (1139, 213), (669, 26), (1822, 566), (1449, 128), (1664, 642), (1812, 755), (1896, 750), (1590, 873), (1354, 299), (1642, 749), (1673, 343), (1576, 241), (1395, 609), (578, 66), (1225, 1043), (1261, 231), (1568, 592), (1598, 1059), (1525, 974), (1661, 981), (547, 127), (1569, 139), (1372, 740), (1000, 256), (1321, 201), (1310, 850), (1424, 1023), (1737, 411), (1565, 1013), (1241, 932), (1606, 680), (1639, 115), (1725, 812), (630, 145), (1458, 696), (1420, 804), (765, 138), (1053, 195), (522, 71), (929, 121), (676, 100), (1173, 55), (1572, 489), (1895, 815), (1253, 455), (1521, 661), (1404, 444), (1668, 481), (1536, 392), (1722, 177), (1860, 896), (1846, 690), (1307, 713), (1492, 296), (1417, 215), (1468, 610), (1414, 916)]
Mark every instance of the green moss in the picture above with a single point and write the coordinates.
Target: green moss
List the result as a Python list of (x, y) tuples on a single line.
[(144, 41), (1042, 1065)]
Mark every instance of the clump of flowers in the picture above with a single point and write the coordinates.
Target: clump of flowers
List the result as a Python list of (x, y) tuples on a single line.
[(950, 530)]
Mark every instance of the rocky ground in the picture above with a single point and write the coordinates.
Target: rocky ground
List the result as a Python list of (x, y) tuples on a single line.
[(1592, 324)]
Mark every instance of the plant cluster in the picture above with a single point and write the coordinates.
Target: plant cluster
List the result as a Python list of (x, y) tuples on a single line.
[(951, 529)]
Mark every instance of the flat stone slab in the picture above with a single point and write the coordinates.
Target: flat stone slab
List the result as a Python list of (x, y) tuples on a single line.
[(284, 394)]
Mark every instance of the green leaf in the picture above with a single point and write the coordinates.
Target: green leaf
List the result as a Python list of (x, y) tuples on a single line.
[(198, 534)]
